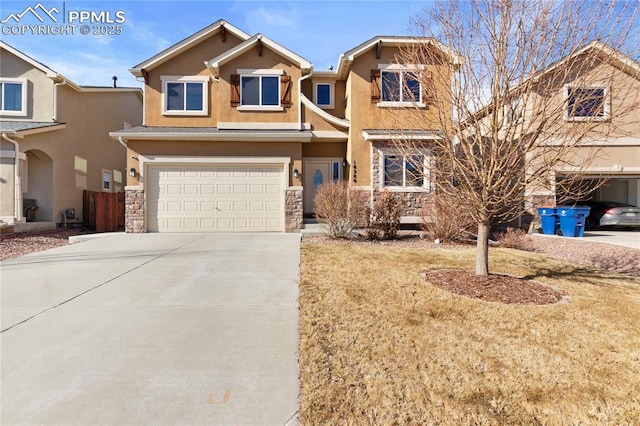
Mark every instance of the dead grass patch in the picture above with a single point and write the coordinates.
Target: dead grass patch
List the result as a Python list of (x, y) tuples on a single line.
[(379, 345)]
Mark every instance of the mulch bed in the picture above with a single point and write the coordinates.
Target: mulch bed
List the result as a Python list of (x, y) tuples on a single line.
[(494, 288)]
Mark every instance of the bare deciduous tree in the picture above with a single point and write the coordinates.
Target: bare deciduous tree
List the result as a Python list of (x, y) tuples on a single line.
[(532, 94)]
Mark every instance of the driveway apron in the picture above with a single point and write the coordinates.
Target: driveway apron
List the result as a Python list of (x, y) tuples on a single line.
[(152, 329)]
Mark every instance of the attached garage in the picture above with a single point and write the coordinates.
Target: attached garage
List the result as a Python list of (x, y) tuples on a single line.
[(622, 188), (215, 197)]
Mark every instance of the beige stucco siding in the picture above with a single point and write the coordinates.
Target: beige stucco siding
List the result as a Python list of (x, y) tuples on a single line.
[(7, 186), (324, 149), (39, 88), (79, 153), (203, 149), (252, 60), (624, 98), (367, 115), (188, 63)]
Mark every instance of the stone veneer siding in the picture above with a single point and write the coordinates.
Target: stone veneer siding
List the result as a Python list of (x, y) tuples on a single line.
[(134, 211), (412, 201), (293, 210)]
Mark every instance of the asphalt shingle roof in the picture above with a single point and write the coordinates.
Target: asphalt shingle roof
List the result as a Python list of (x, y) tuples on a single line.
[(20, 126)]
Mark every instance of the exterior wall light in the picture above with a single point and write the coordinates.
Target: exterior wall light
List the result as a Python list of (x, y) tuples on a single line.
[(296, 173), (132, 172)]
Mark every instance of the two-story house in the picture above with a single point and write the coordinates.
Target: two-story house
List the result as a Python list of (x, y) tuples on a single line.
[(239, 131), (596, 91), (54, 141)]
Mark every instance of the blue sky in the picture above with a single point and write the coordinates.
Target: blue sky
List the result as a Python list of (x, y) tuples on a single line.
[(317, 30)]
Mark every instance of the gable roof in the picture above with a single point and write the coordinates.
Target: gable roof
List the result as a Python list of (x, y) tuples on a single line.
[(347, 58), (246, 45), (28, 59), (59, 78), (615, 58), (181, 46)]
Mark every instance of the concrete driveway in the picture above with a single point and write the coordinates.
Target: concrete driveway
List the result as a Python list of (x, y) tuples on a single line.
[(626, 238), (152, 329)]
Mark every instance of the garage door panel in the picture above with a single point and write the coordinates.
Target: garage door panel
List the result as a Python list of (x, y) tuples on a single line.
[(272, 206), (215, 198), (223, 189), (256, 189), (272, 189), (207, 206)]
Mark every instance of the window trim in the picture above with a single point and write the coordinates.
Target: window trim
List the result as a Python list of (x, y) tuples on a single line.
[(331, 85), (607, 103), (260, 73), (23, 110), (513, 111), (426, 184), (166, 79), (103, 180), (402, 68)]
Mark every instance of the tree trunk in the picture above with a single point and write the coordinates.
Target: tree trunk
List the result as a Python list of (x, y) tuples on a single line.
[(482, 250)]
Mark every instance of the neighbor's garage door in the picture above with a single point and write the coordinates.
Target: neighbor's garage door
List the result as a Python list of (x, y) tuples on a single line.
[(225, 198)]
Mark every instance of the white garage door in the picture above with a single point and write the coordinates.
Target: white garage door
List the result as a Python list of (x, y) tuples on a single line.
[(215, 198)]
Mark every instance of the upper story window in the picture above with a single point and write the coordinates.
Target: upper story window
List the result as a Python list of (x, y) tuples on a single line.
[(513, 111), (587, 103), (398, 86), (260, 90), (185, 95), (13, 96), (323, 95)]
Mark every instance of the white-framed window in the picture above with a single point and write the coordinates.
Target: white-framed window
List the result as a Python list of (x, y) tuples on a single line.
[(513, 111), (185, 95), (107, 180), (400, 85), (402, 171), (13, 96), (323, 94), (260, 89), (587, 103)]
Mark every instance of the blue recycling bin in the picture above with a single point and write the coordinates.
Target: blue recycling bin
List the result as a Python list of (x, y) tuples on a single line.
[(572, 220), (548, 220)]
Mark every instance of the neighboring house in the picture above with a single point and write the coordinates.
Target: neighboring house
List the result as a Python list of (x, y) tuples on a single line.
[(599, 85), (55, 141), (590, 103), (239, 132)]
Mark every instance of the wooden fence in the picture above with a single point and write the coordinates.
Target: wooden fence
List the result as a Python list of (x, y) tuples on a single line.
[(103, 211)]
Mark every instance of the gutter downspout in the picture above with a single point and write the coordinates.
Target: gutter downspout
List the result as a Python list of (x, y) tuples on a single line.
[(123, 142), (300, 98), (17, 180), (55, 97)]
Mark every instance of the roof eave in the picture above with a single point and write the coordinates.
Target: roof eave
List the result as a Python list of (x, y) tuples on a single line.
[(218, 136), (184, 44), (215, 63), (27, 132)]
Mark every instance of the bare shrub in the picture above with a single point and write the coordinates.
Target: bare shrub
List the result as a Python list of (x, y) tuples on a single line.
[(384, 218), (515, 238), (446, 219), (340, 208)]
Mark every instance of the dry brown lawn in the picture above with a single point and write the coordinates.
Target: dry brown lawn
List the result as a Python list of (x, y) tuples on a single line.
[(381, 345)]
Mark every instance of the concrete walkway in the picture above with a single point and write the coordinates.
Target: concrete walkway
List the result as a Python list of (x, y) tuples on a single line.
[(152, 329)]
